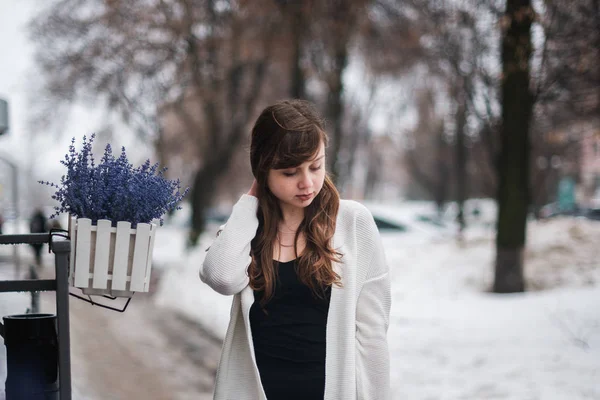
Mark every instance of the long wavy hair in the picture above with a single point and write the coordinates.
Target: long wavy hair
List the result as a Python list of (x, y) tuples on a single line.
[(285, 135)]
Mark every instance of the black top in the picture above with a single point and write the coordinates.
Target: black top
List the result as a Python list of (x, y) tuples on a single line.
[(289, 339)]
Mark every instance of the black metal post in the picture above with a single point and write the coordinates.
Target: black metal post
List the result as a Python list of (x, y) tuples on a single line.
[(61, 247), (61, 251)]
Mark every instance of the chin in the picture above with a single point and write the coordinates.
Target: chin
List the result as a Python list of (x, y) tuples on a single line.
[(307, 203)]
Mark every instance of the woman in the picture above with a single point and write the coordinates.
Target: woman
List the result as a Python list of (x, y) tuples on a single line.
[(312, 292)]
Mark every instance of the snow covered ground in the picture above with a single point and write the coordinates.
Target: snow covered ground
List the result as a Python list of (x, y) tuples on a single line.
[(450, 338)]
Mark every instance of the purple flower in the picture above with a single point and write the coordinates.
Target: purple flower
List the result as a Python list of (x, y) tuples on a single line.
[(114, 189)]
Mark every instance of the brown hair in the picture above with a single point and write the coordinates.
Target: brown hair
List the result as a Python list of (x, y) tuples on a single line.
[(287, 134)]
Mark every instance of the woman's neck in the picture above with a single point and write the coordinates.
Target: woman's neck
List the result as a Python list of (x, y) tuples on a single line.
[(292, 218)]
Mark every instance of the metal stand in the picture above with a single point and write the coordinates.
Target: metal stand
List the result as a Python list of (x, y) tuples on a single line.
[(61, 247)]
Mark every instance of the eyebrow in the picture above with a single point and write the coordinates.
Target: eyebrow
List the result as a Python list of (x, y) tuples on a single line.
[(318, 158)]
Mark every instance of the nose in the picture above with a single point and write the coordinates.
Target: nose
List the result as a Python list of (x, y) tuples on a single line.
[(305, 181)]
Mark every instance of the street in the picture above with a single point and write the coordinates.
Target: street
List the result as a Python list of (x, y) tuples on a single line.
[(146, 352)]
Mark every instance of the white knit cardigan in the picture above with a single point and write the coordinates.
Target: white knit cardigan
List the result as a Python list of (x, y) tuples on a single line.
[(357, 358)]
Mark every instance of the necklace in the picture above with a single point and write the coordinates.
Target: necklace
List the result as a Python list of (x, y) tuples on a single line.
[(286, 233)]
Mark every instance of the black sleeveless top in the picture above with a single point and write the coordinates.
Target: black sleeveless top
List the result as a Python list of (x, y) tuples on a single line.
[(289, 339)]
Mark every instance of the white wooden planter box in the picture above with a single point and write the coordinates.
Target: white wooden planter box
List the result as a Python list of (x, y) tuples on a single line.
[(110, 261)]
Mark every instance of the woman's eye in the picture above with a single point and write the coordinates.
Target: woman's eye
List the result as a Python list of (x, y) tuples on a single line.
[(316, 168), (289, 173)]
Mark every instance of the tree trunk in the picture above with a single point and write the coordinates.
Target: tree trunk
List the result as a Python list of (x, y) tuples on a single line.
[(513, 167), (335, 109), (218, 162), (202, 195), (160, 147), (461, 157), (373, 175), (441, 188), (297, 21), (596, 7), (206, 178), (357, 140)]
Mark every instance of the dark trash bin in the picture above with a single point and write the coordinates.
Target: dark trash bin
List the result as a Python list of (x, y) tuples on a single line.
[(32, 357)]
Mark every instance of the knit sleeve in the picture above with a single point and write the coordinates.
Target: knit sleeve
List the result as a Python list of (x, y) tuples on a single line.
[(225, 266), (372, 321)]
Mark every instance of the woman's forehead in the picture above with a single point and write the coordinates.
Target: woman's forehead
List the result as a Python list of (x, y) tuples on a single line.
[(318, 155), (291, 156), (320, 151)]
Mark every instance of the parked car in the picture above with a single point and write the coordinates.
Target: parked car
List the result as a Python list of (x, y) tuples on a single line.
[(593, 213), (412, 221), (553, 210)]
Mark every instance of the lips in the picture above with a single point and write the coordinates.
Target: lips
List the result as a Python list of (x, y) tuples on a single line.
[(305, 197)]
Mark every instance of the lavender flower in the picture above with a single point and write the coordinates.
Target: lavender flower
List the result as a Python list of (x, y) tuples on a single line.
[(114, 189)]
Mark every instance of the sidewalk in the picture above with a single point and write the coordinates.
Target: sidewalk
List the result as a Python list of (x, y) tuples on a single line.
[(144, 353)]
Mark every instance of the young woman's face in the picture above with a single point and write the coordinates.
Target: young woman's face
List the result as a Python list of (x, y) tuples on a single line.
[(297, 187)]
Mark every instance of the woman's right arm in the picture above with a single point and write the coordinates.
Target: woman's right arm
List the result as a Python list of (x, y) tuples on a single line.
[(227, 260)]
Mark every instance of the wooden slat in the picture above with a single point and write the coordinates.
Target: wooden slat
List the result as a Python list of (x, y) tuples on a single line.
[(82, 252), (140, 258), (120, 261), (149, 263), (102, 246)]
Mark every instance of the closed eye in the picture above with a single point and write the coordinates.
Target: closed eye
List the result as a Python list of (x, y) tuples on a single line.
[(292, 173)]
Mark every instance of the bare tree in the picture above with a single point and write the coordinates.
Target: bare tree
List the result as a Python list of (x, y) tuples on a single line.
[(336, 26), (567, 74), (297, 15), (356, 125), (142, 56), (460, 53), (432, 173), (514, 168), (566, 79), (454, 47)]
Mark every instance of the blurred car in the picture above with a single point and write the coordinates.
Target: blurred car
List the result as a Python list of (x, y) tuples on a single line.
[(552, 210), (593, 213), (417, 222)]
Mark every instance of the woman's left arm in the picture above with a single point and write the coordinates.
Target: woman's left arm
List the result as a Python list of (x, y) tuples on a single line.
[(372, 321)]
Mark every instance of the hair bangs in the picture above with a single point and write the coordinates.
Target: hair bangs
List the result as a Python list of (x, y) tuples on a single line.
[(297, 147)]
